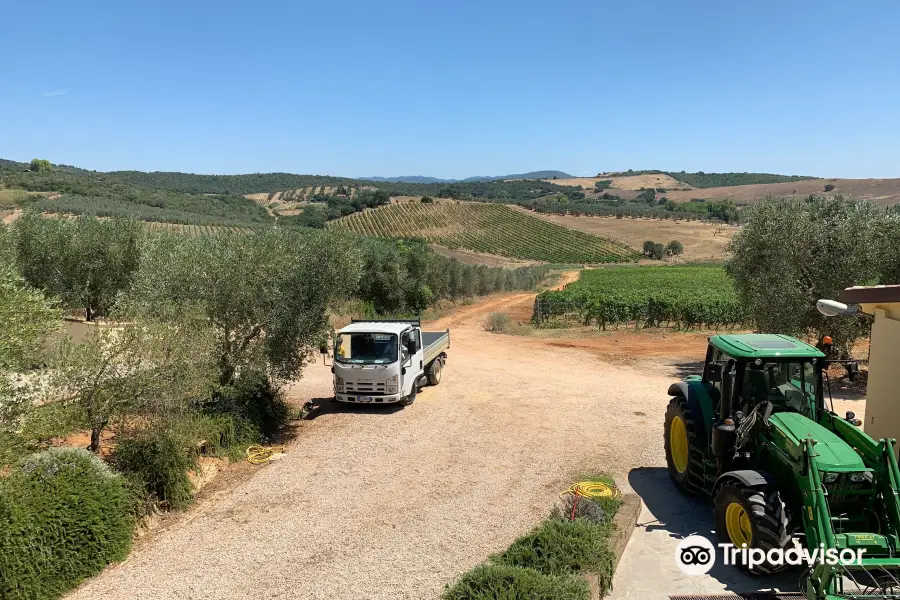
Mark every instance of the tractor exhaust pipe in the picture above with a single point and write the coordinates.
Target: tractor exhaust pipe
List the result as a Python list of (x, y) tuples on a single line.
[(724, 436)]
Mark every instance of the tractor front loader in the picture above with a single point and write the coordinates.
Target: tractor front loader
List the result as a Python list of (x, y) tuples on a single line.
[(753, 435)]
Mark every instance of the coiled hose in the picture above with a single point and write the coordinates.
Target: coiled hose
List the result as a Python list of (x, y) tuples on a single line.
[(257, 454), (592, 489)]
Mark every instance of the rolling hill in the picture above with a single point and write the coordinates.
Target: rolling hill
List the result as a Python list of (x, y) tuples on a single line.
[(424, 179), (488, 228)]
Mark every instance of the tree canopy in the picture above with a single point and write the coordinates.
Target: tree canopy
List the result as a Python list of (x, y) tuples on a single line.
[(790, 254), (265, 293), (85, 262)]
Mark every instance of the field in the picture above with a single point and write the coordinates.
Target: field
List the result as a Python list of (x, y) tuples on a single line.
[(678, 296), (630, 182), (195, 230), (702, 241), (488, 228), (885, 192), (468, 257)]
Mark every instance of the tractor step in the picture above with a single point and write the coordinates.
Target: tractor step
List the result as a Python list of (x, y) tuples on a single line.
[(753, 596)]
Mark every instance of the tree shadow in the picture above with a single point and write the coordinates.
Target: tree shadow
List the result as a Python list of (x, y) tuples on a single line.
[(317, 407), (683, 369), (679, 515)]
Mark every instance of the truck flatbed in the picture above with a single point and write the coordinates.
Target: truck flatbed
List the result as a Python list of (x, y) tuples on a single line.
[(435, 342)]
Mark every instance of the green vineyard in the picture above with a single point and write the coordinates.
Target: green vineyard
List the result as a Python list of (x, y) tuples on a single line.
[(486, 227), (682, 297)]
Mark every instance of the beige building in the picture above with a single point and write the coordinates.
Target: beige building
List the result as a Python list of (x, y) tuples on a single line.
[(882, 403)]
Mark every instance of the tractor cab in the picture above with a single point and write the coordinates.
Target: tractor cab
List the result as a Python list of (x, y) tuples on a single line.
[(745, 371)]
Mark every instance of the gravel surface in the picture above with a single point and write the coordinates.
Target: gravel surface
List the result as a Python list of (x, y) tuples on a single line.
[(388, 503)]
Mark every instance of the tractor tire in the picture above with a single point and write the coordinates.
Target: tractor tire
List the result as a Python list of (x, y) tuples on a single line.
[(684, 450), (434, 373), (752, 516)]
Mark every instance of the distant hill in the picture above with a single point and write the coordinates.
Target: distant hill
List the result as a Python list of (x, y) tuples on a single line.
[(409, 179), (711, 180), (486, 227), (424, 179)]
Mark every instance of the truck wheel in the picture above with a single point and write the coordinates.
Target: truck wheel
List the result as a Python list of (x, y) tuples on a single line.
[(411, 398), (434, 374), (684, 454), (752, 517)]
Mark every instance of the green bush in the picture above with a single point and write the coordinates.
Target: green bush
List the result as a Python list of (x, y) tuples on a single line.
[(595, 510), (63, 517), (504, 582), (221, 434), (159, 461), (254, 401), (560, 547)]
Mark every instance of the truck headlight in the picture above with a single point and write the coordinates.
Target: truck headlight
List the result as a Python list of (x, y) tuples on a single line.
[(830, 477), (339, 384), (391, 384)]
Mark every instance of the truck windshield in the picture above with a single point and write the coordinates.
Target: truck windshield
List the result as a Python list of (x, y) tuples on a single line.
[(366, 348), (787, 385)]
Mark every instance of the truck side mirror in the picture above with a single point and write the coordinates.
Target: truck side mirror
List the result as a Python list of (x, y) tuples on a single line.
[(714, 373), (411, 346), (323, 349)]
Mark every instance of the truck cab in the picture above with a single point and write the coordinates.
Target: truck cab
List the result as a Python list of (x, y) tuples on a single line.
[(386, 361)]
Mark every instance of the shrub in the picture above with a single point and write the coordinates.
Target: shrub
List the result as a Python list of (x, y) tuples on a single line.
[(492, 582), (498, 322), (427, 200), (560, 547), (253, 400), (585, 508), (158, 460), (674, 248), (829, 187), (63, 517)]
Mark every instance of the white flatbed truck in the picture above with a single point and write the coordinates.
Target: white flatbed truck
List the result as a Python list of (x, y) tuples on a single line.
[(387, 361)]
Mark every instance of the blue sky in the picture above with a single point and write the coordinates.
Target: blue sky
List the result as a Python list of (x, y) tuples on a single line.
[(454, 89)]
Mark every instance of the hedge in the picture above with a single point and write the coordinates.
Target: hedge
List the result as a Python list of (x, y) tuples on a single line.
[(493, 582), (63, 517)]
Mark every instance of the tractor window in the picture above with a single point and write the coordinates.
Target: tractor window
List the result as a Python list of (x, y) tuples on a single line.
[(791, 386)]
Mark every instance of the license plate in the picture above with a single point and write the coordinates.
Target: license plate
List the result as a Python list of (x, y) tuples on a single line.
[(364, 398)]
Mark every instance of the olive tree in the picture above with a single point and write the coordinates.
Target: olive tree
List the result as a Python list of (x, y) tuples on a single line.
[(154, 369), (85, 262), (26, 319), (790, 254), (266, 294)]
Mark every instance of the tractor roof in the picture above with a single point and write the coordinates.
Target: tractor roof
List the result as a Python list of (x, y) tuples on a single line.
[(764, 345)]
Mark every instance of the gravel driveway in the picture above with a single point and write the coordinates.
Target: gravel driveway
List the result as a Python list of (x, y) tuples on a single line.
[(380, 503)]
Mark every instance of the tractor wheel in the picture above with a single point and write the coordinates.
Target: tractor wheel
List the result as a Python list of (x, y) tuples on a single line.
[(754, 517), (684, 452)]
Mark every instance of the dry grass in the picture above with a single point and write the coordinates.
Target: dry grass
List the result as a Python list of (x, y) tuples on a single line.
[(8, 216), (479, 258), (702, 241), (633, 182), (883, 191)]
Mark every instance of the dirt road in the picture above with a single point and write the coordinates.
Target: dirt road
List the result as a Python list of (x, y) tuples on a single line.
[(386, 503)]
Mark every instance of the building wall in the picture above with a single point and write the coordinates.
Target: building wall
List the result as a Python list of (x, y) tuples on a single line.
[(882, 401)]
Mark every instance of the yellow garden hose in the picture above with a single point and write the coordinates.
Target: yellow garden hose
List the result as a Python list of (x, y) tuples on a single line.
[(592, 489), (257, 454)]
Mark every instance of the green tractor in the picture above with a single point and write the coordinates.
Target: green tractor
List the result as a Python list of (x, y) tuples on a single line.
[(754, 435)]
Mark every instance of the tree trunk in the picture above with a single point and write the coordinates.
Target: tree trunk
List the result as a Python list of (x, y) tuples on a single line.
[(95, 439)]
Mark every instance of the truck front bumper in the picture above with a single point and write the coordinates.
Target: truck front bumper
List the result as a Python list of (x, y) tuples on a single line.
[(360, 399)]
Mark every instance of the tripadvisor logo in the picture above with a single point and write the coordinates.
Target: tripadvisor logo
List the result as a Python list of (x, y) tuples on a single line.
[(696, 555)]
